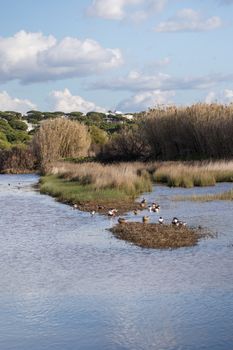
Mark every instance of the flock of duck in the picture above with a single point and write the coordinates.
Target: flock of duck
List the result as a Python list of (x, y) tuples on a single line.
[(153, 208)]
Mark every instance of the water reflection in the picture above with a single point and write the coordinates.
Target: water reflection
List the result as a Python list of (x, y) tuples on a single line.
[(66, 283)]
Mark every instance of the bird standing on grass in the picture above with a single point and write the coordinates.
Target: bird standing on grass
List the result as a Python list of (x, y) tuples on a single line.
[(161, 220), (122, 220), (145, 219), (175, 221)]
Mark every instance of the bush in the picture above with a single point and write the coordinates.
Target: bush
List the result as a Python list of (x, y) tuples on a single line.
[(60, 138), (17, 159), (126, 146)]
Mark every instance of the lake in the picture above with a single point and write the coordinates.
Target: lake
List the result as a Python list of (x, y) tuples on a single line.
[(67, 284)]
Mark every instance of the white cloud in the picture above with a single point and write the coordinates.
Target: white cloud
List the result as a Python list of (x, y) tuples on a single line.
[(140, 81), (211, 97), (117, 9), (111, 9), (228, 95), (144, 100), (66, 102), (189, 20), (225, 96), (8, 103), (31, 57)]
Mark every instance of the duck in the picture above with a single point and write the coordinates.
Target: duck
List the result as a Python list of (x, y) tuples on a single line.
[(135, 212), (161, 220), (75, 206), (150, 209), (145, 219), (112, 212), (143, 203), (175, 221), (122, 220), (92, 212)]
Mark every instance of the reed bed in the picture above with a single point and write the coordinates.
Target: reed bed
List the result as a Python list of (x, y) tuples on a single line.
[(200, 131), (92, 186), (181, 174), (129, 178)]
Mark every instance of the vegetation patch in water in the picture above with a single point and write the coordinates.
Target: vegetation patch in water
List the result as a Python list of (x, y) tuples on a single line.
[(87, 197), (190, 174), (228, 195), (158, 236)]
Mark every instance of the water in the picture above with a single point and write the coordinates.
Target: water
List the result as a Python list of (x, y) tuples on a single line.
[(67, 284)]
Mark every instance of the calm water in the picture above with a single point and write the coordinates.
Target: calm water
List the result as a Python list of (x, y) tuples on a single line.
[(67, 284)]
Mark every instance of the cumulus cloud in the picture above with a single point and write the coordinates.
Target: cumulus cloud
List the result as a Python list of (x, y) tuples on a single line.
[(8, 103), (117, 9), (66, 102), (31, 57), (189, 20), (139, 81), (147, 99), (225, 96)]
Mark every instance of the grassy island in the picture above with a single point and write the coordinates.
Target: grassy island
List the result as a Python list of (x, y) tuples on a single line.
[(147, 235)]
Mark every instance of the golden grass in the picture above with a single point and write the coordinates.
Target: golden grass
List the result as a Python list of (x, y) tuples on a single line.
[(123, 176), (199, 131), (189, 174)]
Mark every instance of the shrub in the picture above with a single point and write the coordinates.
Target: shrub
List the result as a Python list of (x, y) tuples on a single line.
[(60, 138)]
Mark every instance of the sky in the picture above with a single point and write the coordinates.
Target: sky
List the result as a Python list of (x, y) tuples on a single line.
[(124, 55)]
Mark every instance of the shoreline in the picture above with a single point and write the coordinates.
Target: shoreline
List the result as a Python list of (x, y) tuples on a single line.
[(101, 205), (144, 235)]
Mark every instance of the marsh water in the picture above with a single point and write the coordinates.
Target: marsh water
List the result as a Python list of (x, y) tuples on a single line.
[(67, 284)]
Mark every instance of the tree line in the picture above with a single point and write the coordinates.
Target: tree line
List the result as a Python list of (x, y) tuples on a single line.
[(200, 131)]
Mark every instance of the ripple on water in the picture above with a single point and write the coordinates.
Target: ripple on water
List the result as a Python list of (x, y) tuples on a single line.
[(65, 280)]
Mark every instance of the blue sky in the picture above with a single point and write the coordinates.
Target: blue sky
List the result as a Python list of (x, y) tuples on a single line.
[(127, 55)]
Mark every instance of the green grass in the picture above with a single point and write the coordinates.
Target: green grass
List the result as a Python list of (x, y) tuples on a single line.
[(74, 192)]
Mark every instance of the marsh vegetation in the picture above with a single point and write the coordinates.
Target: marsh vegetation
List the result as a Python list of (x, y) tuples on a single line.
[(158, 236)]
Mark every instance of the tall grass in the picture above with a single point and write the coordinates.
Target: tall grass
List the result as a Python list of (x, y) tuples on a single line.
[(126, 178), (178, 174), (200, 131)]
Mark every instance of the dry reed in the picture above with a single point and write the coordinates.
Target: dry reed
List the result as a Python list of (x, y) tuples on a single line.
[(178, 174), (200, 131), (123, 176)]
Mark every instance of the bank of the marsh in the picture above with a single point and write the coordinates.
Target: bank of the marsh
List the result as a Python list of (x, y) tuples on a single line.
[(158, 236), (94, 186), (86, 197)]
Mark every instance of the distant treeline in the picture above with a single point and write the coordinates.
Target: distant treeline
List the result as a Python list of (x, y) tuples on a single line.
[(201, 131)]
